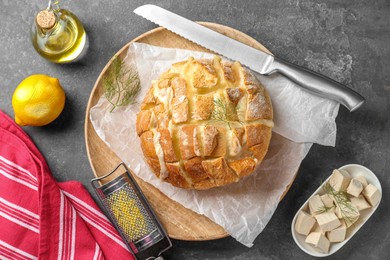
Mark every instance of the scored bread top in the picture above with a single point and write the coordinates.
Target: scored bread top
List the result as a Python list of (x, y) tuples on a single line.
[(205, 123)]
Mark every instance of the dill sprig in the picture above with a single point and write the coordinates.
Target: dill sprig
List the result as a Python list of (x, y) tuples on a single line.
[(223, 111), (348, 211), (121, 84), (324, 209)]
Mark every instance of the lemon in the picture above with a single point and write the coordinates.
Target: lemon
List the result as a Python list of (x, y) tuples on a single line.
[(38, 100)]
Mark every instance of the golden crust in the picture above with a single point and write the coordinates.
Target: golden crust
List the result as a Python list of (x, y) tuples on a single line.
[(210, 140), (259, 151), (147, 145), (149, 99), (219, 171), (243, 167), (239, 133), (204, 74), (205, 184), (167, 145), (186, 141), (234, 94), (175, 176), (161, 116), (259, 106), (154, 166), (179, 109), (250, 79), (144, 121), (165, 83), (195, 169), (257, 134), (228, 72), (179, 87), (220, 149), (203, 107), (207, 121), (198, 141)]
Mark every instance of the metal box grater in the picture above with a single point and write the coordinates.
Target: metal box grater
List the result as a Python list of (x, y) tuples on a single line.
[(131, 214)]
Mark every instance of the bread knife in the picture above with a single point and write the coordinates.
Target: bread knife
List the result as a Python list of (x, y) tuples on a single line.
[(259, 61)]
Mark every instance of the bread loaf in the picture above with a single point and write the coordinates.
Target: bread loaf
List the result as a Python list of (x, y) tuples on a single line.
[(205, 123)]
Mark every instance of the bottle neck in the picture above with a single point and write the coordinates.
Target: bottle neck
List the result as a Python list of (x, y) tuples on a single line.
[(46, 19), (53, 5)]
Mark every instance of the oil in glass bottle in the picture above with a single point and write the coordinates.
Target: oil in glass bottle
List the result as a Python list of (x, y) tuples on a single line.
[(58, 35)]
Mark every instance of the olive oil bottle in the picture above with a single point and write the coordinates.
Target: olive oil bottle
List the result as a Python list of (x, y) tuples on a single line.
[(58, 35)]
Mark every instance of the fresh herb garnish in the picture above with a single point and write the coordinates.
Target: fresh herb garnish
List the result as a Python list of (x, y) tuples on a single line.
[(348, 211), (324, 209), (223, 111), (121, 84)]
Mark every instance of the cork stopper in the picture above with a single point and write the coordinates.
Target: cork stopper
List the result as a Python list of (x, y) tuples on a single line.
[(46, 19)]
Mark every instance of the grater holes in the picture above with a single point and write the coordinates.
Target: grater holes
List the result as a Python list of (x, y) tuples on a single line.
[(129, 213)]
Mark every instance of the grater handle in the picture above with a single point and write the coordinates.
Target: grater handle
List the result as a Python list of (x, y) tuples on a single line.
[(93, 181)]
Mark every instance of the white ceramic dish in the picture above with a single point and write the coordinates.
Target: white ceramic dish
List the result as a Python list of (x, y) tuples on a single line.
[(355, 170)]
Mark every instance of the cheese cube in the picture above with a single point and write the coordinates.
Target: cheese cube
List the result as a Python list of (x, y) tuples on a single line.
[(340, 180), (362, 179), (316, 205), (327, 221), (316, 228), (319, 241), (337, 234), (372, 194), (360, 203), (349, 213), (354, 188), (304, 223), (338, 212), (327, 200)]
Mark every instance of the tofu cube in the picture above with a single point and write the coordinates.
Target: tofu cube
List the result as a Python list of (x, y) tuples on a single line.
[(327, 221), (316, 228), (349, 213), (338, 234), (319, 241), (327, 200), (340, 180), (362, 179), (372, 195), (316, 205), (337, 212), (360, 202), (355, 187), (304, 223)]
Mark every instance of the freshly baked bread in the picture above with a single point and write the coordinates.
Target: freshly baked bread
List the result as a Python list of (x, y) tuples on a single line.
[(205, 123)]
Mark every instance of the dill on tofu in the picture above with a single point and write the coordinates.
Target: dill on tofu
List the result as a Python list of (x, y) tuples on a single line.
[(347, 210)]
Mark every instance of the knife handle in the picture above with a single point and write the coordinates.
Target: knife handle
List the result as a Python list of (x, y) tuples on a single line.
[(318, 84)]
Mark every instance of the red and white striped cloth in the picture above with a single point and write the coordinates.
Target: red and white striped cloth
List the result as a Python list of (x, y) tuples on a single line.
[(40, 218)]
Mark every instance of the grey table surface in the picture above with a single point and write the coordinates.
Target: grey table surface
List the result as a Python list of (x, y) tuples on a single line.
[(346, 40)]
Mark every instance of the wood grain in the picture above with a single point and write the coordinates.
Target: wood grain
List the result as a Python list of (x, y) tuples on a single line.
[(180, 222)]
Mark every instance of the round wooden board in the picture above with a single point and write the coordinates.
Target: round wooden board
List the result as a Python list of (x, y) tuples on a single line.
[(181, 223)]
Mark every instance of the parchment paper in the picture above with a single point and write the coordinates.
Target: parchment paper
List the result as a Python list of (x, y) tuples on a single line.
[(243, 209)]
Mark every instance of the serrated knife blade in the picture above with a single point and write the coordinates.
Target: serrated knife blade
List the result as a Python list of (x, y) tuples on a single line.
[(256, 60)]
